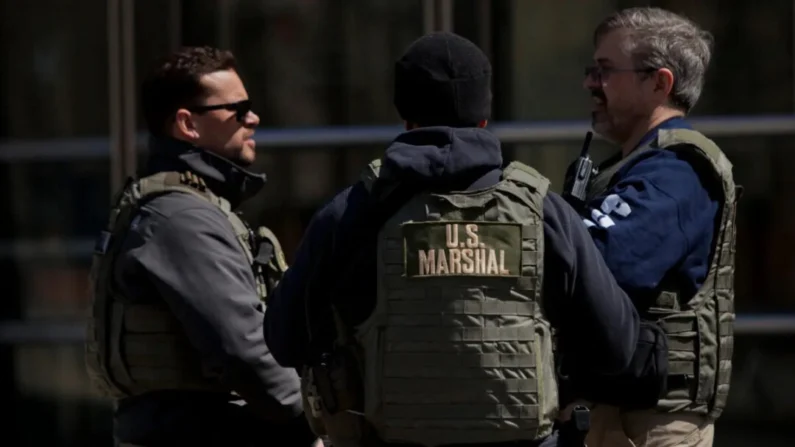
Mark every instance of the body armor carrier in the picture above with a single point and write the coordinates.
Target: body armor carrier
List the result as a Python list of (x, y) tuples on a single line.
[(457, 349), (700, 328), (136, 347)]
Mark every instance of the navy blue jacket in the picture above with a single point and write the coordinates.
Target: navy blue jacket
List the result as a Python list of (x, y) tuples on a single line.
[(598, 314), (659, 222)]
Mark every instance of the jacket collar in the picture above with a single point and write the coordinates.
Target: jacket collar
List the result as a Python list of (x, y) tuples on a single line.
[(224, 178)]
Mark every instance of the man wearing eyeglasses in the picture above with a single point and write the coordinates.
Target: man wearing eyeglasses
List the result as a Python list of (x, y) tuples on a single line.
[(179, 280), (661, 211)]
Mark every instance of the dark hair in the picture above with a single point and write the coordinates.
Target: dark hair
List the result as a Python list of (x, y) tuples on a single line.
[(174, 83)]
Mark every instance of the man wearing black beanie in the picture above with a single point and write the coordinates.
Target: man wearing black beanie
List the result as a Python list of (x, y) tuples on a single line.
[(422, 299)]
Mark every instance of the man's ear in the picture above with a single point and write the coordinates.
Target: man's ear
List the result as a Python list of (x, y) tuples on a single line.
[(184, 126), (483, 124), (664, 81)]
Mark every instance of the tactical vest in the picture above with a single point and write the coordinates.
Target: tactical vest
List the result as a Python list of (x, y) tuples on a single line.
[(457, 350), (136, 347), (700, 328)]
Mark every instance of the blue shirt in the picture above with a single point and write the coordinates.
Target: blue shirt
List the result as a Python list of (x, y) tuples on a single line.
[(655, 222)]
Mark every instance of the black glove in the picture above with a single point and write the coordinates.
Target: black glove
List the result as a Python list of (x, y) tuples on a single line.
[(644, 381)]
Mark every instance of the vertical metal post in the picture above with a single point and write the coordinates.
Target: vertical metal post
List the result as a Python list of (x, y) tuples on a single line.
[(114, 87), (175, 24), (121, 59), (444, 14), (429, 16), (129, 89), (225, 10), (437, 15), (484, 26)]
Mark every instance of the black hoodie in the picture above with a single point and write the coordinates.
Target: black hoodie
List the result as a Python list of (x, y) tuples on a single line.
[(596, 320)]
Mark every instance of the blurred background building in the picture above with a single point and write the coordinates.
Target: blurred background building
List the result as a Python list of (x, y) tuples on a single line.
[(70, 129)]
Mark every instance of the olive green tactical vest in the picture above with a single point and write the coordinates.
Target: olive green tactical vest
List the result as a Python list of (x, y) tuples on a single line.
[(700, 328), (136, 347), (457, 349)]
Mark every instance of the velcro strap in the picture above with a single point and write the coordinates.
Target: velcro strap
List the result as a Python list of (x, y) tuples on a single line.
[(479, 334), (677, 327), (726, 350), (681, 367), (467, 412), (724, 281), (487, 306), (679, 345)]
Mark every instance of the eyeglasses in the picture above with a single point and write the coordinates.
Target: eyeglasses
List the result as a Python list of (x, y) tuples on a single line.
[(598, 73), (241, 109)]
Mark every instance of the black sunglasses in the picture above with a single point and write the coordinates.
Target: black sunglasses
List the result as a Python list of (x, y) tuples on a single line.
[(241, 109)]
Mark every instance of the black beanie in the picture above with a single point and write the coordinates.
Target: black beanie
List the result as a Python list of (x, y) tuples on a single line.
[(443, 79)]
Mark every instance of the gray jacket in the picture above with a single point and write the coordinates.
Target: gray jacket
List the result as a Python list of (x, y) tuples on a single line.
[(183, 249)]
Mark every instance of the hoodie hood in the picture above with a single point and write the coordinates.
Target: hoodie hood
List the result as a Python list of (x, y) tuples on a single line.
[(443, 158), (224, 178)]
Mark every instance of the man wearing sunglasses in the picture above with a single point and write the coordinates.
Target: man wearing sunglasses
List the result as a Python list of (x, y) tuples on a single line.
[(661, 211), (179, 280)]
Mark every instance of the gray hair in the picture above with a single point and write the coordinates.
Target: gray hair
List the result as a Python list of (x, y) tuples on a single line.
[(657, 38)]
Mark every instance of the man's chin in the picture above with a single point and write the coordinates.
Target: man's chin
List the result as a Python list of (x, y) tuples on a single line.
[(245, 162), (603, 129), (247, 157)]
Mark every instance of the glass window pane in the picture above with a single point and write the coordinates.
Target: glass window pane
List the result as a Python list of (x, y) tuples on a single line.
[(58, 208), (542, 48), (53, 69), (316, 62), (742, 79), (52, 391), (300, 180)]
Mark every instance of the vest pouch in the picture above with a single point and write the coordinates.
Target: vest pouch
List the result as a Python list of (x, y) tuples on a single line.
[(269, 260), (310, 399), (707, 360), (682, 334), (118, 368), (338, 383), (548, 395)]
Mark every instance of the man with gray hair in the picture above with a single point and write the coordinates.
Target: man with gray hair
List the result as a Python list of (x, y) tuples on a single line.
[(661, 211)]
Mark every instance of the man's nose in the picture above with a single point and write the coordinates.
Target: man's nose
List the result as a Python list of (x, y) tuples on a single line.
[(252, 119), (590, 82)]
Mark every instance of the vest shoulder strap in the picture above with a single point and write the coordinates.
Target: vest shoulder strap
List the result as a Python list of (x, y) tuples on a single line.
[(190, 183), (698, 144), (515, 171), (187, 182), (521, 173), (671, 138)]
